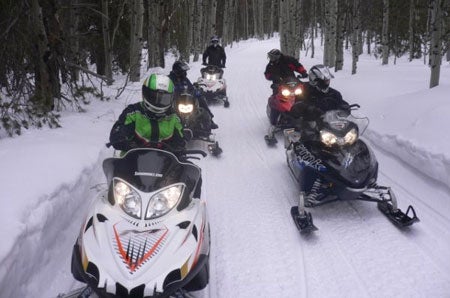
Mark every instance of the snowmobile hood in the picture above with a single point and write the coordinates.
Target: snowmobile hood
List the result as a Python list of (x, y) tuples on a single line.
[(119, 255), (151, 169), (353, 165)]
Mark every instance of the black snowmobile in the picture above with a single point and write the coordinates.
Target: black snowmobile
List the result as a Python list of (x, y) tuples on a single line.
[(197, 120), (330, 162)]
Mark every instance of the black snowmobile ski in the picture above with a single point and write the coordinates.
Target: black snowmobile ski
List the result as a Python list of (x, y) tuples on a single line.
[(271, 141), (83, 292), (398, 217), (214, 149), (226, 102), (304, 223)]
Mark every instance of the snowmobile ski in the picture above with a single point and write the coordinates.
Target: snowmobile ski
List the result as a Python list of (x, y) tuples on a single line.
[(83, 292), (271, 141), (214, 149), (398, 217), (304, 222), (226, 102)]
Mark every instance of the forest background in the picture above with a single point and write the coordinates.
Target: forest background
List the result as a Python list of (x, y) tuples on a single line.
[(53, 50)]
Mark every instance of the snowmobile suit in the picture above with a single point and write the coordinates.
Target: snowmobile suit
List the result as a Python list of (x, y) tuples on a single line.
[(284, 67), (136, 127), (215, 56), (314, 103), (184, 84)]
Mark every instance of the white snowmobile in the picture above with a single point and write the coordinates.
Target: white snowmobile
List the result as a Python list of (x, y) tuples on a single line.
[(146, 235), (213, 85), (330, 162)]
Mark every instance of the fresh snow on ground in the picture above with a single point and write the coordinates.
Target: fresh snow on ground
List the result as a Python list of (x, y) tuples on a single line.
[(49, 177)]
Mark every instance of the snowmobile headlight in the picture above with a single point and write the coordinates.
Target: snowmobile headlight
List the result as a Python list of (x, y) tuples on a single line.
[(211, 77), (298, 91), (185, 108), (163, 201), (328, 138), (127, 198), (285, 92), (351, 137)]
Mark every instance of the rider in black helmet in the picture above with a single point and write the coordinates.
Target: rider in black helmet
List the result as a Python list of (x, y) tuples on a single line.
[(318, 97), (214, 53), (281, 67), (178, 75)]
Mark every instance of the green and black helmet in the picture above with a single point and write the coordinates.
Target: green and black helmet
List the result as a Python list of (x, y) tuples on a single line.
[(157, 93)]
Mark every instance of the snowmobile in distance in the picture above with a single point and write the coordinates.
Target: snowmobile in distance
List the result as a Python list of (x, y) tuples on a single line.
[(330, 162), (197, 120), (145, 235), (213, 85), (279, 104)]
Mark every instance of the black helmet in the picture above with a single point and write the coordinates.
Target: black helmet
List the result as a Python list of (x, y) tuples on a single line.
[(157, 93), (274, 55), (215, 40), (319, 77), (179, 68)]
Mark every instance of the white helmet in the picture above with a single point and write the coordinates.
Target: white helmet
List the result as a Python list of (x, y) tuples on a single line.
[(157, 93)]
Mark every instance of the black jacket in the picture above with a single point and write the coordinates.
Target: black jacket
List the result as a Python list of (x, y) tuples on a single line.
[(314, 103), (283, 68), (215, 55), (182, 84)]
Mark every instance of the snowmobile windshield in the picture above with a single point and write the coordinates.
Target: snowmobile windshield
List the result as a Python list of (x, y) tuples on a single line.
[(151, 169), (211, 72), (340, 120)]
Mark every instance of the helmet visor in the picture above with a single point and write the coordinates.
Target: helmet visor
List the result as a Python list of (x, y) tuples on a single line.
[(184, 66), (323, 84), (273, 57), (159, 98)]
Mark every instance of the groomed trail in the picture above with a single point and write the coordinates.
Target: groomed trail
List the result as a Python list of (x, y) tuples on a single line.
[(357, 252), (256, 249)]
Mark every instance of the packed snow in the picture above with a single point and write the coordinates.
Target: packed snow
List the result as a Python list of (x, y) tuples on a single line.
[(49, 176)]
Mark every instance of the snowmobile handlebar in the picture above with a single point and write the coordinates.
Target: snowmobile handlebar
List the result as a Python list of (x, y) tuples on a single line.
[(180, 152)]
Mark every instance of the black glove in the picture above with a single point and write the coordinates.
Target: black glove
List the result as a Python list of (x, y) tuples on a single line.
[(204, 63), (304, 75)]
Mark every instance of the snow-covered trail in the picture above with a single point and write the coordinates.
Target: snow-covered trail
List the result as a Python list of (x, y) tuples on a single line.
[(357, 252), (256, 248)]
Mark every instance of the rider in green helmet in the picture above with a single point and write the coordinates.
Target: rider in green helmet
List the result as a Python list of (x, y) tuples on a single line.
[(151, 122)]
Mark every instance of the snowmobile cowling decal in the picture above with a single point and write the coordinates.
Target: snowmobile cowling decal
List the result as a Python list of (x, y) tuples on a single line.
[(308, 159), (136, 248), (148, 174)]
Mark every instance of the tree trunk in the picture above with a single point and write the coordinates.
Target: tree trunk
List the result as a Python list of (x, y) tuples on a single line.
[(412, 9), (107, 42), (356, 39), (342, 9), (45, 82), (385, 33), (436, 41), (329, 56)]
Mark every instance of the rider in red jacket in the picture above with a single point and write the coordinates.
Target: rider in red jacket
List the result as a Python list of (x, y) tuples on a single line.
[(282, 66)]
